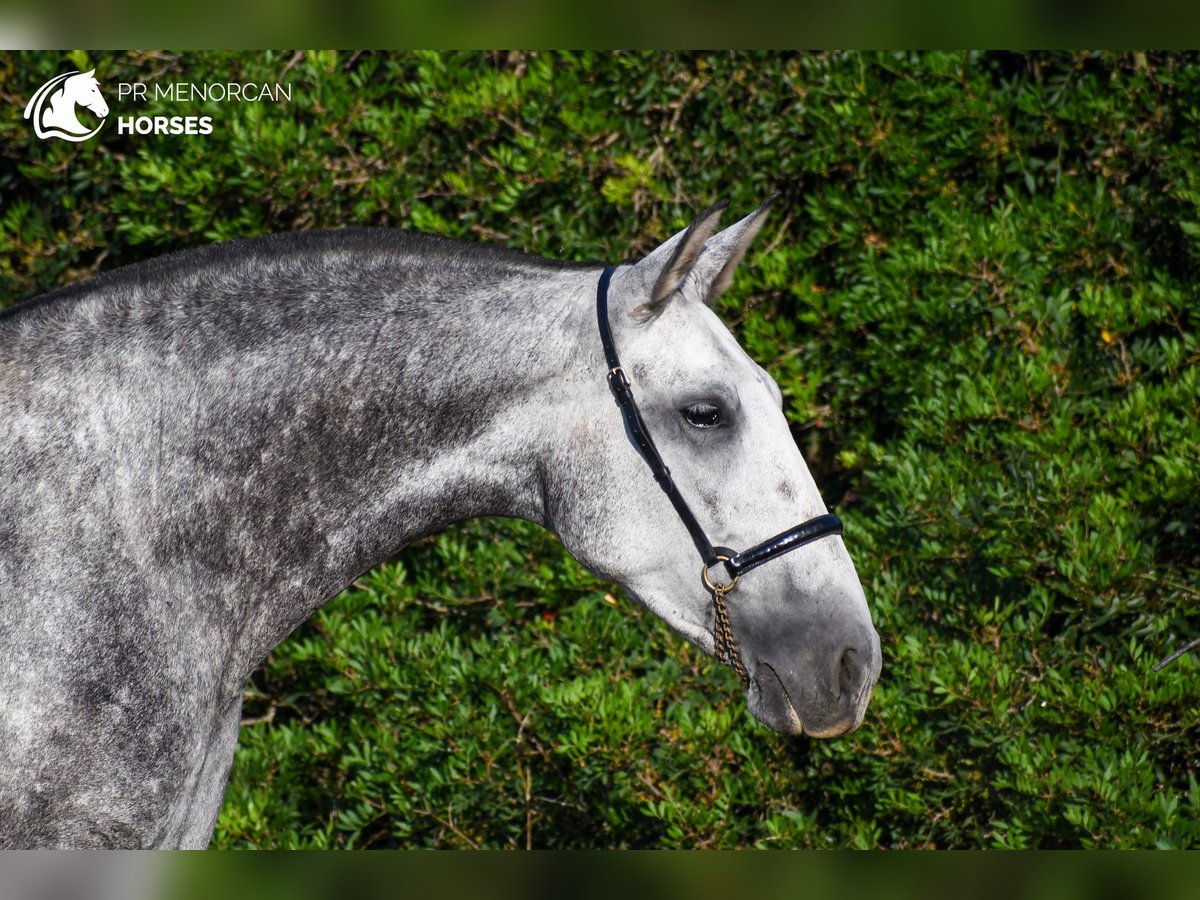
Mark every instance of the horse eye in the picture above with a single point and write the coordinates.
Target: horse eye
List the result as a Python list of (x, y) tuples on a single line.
[(702, 415)]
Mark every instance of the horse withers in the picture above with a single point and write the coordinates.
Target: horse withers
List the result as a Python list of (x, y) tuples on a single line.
[(199, 451)]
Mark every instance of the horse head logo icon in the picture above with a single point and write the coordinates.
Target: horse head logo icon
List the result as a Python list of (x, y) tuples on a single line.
[(53, 108)]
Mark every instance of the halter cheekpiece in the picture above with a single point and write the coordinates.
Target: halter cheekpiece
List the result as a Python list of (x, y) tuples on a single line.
[(736, 564)]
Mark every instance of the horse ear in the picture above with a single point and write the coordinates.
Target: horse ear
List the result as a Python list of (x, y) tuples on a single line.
[(91, 74), (725, 250), (671, 262)]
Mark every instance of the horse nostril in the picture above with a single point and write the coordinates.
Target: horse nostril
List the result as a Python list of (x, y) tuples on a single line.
[(850, 672)]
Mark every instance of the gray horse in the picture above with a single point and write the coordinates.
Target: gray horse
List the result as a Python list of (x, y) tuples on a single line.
[(199, 451)]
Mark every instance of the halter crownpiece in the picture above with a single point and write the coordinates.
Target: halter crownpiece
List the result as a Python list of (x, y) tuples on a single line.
[(736, 564)]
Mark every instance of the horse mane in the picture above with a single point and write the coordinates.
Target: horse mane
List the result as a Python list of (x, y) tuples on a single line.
[(194, 272)]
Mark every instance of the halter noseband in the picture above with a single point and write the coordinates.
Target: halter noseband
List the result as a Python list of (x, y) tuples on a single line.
[(736, 564)]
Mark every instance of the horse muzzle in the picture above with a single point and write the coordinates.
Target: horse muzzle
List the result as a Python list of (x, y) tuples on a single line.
[(822, 693)]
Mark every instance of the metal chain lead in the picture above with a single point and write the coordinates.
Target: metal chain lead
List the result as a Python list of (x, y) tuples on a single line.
[(725, 643)]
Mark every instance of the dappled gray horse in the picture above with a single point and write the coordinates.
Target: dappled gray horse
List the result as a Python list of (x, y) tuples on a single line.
[(199, 451)]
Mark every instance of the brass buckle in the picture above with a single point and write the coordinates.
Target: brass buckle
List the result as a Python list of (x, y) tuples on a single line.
[(718, 587)]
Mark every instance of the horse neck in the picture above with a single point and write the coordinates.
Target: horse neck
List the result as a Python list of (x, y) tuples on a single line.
[(316, 431), (62, 112)]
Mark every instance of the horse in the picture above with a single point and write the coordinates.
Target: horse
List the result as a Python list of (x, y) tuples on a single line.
[(62, 95), (198, 451)]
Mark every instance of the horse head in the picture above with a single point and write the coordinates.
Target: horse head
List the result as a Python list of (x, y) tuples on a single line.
[(800, 623), (83, 90)]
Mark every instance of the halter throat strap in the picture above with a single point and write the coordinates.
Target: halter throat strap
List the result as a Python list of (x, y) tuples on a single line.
[(735, 563)]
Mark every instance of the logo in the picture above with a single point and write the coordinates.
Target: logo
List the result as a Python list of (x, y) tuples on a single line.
[(54, 108)]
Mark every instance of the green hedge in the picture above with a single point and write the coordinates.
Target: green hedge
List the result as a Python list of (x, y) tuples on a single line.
[(978, 295)]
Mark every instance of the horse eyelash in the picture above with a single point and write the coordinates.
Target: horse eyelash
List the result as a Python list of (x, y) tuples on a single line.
[(719, 419)]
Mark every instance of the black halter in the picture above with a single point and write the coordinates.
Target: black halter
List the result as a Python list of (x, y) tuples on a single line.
[(736, 564)]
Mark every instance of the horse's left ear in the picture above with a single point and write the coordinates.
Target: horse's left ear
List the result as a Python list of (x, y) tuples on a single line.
[(91, 74), (664, 270), (724, 250)]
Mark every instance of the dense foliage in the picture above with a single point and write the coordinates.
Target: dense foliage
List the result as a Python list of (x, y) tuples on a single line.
[(979, 296)]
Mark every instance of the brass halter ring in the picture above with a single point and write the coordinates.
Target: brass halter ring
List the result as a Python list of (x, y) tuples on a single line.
[(718, 588)]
